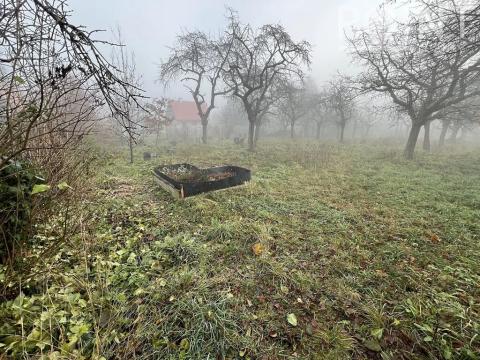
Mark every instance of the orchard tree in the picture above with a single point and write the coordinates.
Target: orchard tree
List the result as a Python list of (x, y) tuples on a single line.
[(268, 111), (156, 118), (199, 61), (368, 115), (465, 116), (259, 61), (420, 64), (232, 117), (129, 110), (319, 110), (292, 106), (342, 102)]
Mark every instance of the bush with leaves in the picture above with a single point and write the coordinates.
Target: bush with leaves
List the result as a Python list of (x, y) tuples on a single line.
[(16, 183)]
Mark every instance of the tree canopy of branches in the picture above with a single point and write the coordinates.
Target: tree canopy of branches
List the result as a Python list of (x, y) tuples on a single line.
[(258, 62), (424, 66), (52, 77), (451, 14), (199, 62)]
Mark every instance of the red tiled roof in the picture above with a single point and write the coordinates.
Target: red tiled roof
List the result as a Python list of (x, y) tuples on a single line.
[(184, 111)]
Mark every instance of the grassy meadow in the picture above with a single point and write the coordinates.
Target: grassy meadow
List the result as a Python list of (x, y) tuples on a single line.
[(330, 252)]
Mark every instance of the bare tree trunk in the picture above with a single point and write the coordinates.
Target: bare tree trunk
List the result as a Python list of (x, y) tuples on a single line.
[(251, 133), (342, 132), (257, 134), (319, 129), (443, 134), (412, 141), (292, 130), (426, 136), (453, 137), (204, 130), (130, 145)]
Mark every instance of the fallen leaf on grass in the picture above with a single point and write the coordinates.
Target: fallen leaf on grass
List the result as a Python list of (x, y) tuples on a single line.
[(162, 282), (381, 273), (139, 292), (64, 186), (434, 238), (372, 345), (184, 344), (39, 188), (258, 249), (292, 319), (377, 333)]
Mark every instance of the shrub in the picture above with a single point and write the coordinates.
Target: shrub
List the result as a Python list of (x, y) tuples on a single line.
[(16, 182)]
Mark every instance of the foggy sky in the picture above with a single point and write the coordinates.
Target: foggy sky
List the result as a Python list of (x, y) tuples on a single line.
[(150, 26)]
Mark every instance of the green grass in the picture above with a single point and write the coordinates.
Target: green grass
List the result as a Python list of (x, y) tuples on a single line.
[(376, 256)]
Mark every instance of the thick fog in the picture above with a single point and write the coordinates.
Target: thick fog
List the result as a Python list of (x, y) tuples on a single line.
[(150, 27)]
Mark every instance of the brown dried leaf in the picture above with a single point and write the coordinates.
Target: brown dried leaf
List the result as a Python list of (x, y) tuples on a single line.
[(434, 238), (258, 249)]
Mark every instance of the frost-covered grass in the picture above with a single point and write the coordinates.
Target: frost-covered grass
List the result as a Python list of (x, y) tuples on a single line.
[(369, 255)]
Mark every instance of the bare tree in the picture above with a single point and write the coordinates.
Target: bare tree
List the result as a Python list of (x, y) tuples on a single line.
[(419, 65), (199, 62), (258, 61), (156, 118), (443, 133), (342, 102), (369, 114), (293, 104), (233, 119), (266, 114), (316, 102), (464, 116), (52, 77), (129, 109)]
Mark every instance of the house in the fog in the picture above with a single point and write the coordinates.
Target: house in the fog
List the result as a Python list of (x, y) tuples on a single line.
[(185, 120)]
